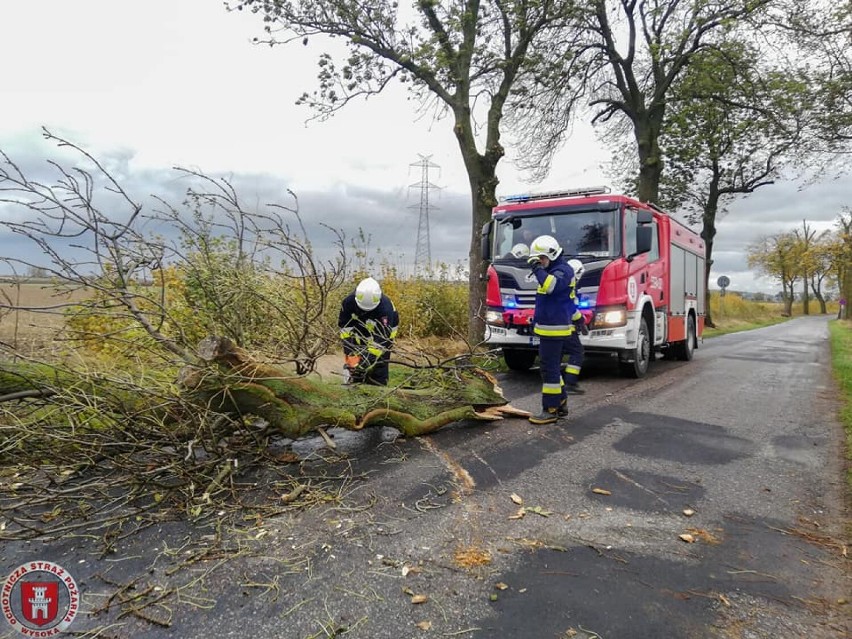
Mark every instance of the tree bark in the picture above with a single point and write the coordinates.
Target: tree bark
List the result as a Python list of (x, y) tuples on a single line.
[(238, 384), (647, 128), (235, 383), (482, 177), (708, 233)]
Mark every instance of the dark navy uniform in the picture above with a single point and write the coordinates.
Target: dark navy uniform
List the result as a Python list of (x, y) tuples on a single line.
[(555, 314), (574, 348), (370, 335)]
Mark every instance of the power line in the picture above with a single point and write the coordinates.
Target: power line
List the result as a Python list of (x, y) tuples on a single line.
[(423, 252)]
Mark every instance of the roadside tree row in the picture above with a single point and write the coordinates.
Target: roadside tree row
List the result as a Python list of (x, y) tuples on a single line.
[(700, 101), (816, 263)]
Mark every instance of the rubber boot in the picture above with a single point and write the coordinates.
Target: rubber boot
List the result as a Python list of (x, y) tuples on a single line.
[(546, 416)]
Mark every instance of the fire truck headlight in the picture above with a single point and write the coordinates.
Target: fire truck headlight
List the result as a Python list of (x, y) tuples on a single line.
[(612, 317), (494, 317)]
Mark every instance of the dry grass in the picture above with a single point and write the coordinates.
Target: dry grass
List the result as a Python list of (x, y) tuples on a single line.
[(25, 328)]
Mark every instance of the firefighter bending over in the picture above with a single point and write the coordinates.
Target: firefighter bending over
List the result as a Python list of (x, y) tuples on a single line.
[(554, 317), (368, 324)]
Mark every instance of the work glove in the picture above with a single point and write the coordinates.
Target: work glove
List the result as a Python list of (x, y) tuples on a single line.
[(580, 325), (534, 262)]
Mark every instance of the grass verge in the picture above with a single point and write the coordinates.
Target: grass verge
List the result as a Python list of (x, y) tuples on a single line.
[(841, 361)]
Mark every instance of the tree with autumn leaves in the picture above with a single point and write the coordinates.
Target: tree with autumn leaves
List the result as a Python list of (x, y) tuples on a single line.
[(525, 68), (815, 261)]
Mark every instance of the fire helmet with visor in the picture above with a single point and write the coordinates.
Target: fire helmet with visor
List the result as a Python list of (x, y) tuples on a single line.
[(545, 246)]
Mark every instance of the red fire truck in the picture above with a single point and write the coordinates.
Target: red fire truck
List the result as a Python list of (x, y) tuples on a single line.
[(643, 287)]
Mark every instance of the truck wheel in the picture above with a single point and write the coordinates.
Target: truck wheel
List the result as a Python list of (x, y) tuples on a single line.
[(519, 359), (641, 355), (685, 349)]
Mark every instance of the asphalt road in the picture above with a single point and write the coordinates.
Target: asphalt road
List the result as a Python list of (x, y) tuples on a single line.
[(744, 437)]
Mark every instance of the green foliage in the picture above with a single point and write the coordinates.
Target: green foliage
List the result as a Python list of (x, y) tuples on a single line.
[(841, 358), (104, 328), (732, 305), (731, 313), (432, 305), (733, 124), (225, 289)]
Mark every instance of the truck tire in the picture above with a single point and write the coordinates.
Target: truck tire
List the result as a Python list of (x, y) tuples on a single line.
[(518, 359), (641, 355), (685, 349)]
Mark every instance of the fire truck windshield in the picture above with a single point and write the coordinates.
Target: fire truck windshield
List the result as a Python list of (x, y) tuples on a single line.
[(582, 233)]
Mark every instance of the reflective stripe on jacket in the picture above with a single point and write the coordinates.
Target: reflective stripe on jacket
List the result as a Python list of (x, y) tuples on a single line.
[(375, 329), (555, 300)]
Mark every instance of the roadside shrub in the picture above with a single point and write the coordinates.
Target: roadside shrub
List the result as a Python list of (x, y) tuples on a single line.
[(432, 305), (732, 305)]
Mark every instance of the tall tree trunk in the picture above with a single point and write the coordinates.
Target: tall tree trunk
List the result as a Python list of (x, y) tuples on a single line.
[(816, 287), (482, 177), (806, 300), (478, 267), (647, 131), (789, 296), (708, 233)]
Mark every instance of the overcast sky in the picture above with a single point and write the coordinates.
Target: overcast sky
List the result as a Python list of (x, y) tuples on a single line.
[(146, 86)]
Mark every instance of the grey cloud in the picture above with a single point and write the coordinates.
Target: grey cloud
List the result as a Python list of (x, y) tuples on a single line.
[(390, 216), (786, 204)]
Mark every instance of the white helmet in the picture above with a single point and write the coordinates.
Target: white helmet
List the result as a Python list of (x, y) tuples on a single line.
[(520, 250), (368, 294), (578, 267), (547, 246)]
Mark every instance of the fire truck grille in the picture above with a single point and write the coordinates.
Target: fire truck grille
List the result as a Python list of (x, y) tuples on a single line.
[(506, 280)]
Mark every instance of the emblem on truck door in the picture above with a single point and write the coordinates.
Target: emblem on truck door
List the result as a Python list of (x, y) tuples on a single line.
[(631, 290)]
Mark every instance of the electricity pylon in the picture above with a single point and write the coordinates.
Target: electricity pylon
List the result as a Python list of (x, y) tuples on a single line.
[(423, 253)]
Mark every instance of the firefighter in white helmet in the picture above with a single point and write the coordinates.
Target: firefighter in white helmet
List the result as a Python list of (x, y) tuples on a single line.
[(368, 325), (571, 369), (554, 317), (519, 251)]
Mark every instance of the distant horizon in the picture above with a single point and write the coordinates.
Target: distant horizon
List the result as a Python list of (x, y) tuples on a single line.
[(13, 279)]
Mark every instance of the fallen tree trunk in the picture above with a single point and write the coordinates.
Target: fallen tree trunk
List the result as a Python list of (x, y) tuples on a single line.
[(429, 400), (235, 383)]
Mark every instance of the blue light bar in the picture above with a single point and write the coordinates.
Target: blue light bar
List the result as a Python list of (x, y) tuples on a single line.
[(549, 195)]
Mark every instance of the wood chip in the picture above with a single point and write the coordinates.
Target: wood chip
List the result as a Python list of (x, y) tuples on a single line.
[(328, 440)]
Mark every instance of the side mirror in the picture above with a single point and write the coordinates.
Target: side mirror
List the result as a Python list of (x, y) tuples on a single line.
[(485, 241), (644, 217)]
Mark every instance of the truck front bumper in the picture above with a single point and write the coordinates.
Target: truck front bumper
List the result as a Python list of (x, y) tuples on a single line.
[(502, 337)]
